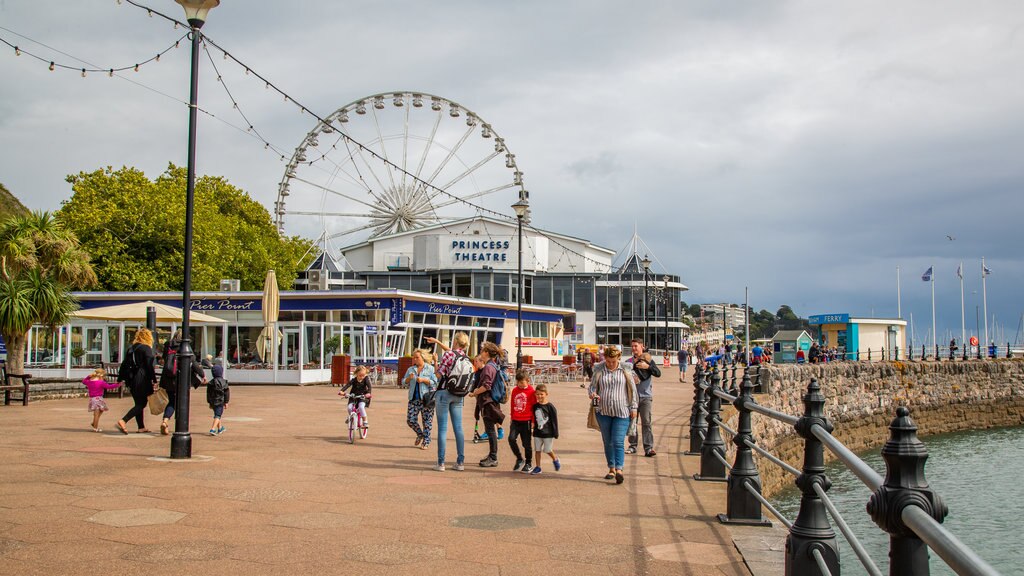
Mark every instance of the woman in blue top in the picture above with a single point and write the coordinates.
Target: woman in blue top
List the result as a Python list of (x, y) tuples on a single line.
[(420, 379)]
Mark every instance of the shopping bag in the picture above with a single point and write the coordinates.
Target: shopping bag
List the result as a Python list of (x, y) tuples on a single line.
[(158, 401)]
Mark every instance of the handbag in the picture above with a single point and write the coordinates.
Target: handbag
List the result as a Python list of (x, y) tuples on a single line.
[(428, 399), (592, 414), (158, 401)]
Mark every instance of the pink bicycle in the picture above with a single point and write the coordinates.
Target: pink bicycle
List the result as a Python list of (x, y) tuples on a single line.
[(355, 419)]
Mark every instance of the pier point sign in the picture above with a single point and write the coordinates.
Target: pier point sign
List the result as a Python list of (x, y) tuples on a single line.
[(820, 319)]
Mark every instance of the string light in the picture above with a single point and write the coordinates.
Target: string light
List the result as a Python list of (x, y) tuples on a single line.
[(83, 72), (53, 65)]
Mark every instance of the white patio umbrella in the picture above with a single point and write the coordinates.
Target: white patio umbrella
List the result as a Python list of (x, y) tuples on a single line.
[(271, 307), (137, 311)]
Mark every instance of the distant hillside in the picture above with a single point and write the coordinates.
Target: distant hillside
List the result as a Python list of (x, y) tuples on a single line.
[(9, 205)]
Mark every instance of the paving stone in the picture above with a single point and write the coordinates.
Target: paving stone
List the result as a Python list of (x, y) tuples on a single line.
[(316, 520), (262, 494), (492, 522), (177, 552), (136, 517), (394, 553)]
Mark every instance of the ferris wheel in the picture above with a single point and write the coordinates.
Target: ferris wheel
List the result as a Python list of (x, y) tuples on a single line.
[(394, 162)]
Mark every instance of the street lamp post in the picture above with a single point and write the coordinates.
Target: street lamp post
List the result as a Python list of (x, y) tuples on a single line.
[(646, 262), (521, 207), (668, 300), (181, 442)]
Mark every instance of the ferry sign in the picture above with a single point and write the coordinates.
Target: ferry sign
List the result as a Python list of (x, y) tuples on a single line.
[(829, 319)]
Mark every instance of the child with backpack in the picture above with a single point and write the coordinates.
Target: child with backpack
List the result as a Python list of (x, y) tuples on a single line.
[(96, 383), (490, 392), (522, 399), (218, 394), (545, 429)]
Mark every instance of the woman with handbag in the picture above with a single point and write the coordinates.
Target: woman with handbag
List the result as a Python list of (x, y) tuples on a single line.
[(422, 384), (142, 381), (614, 403)]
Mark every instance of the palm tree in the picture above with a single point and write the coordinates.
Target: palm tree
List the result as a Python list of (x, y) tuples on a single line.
[(40, 263)]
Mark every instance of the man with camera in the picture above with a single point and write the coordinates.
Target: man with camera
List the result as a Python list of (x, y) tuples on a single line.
[(644, 370)]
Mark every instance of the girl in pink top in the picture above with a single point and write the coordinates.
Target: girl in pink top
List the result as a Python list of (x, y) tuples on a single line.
[(96, 384)]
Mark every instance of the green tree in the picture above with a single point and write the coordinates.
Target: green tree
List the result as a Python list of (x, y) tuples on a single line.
[(135, 230), (40, 263)]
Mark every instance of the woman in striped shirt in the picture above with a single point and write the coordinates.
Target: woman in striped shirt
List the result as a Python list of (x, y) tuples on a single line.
[(613, 390)]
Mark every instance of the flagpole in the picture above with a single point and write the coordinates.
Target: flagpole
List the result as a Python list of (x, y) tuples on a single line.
[(899, 306), (963, 324), (984, 299), (935, 342)]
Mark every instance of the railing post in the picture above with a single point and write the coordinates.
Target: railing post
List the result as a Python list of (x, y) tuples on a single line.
[(1009, 353), (741, 506), (924, 353), (904, 485), (732, 380), (858, 355), (811, 530), (896, 353), (910, 353), (965, 352), (712, 450), (869, 354), (697, 423)]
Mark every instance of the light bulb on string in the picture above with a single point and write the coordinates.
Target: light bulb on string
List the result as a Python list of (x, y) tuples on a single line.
[(157, 57), (136, 67), (111, 73), (150, 13), (175, 24), (17, 52), (51, 66), (177, 43), (83, 72)]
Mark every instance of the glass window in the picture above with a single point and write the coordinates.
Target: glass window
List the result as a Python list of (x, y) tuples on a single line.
[(420, 284), (600, 302), (376, 282), (501, 292), (400, 282), (527, 289), (542, 291), (561, 292), (445, 284), (614, 310), (463, 285), (583, 294), (482, 286)]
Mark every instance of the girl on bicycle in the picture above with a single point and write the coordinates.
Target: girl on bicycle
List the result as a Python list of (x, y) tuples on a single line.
[(360, 386)]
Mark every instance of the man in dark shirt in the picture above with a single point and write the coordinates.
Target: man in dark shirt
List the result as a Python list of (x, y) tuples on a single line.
[(644, 369)]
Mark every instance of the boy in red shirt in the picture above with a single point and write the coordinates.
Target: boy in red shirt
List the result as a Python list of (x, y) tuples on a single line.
[(522, 399)]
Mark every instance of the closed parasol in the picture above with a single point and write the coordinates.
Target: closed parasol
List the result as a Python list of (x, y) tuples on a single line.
[(271, 308)]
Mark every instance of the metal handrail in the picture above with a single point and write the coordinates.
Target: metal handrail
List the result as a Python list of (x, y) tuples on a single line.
[(772, 458), (858, 549), (764, 502), (821, 562), (723, 426), (755, 407), (920, 515), (865, 473), (955, 553)]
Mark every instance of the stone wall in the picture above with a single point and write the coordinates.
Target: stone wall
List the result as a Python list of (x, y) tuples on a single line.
[(861, 401)]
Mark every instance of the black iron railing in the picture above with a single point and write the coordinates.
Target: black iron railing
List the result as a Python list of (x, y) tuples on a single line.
[(902, 504)]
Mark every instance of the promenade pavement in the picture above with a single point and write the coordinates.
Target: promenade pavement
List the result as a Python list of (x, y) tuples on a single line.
[(283, 492)]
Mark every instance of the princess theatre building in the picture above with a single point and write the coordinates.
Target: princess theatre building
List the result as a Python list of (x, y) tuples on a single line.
[(379, 299)]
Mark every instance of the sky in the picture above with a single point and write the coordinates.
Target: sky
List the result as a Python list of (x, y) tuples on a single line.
[(803, 149)]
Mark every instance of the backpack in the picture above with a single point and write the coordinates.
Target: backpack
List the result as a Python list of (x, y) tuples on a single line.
[(499, 390), (126, 371), (459, 380), (171, 358)]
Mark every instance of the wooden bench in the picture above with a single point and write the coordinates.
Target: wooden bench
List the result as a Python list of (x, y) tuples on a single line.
[(8, 387), (111, 369)]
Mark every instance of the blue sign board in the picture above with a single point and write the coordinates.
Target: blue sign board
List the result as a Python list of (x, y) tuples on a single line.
[(819, 319), (397, 313)]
